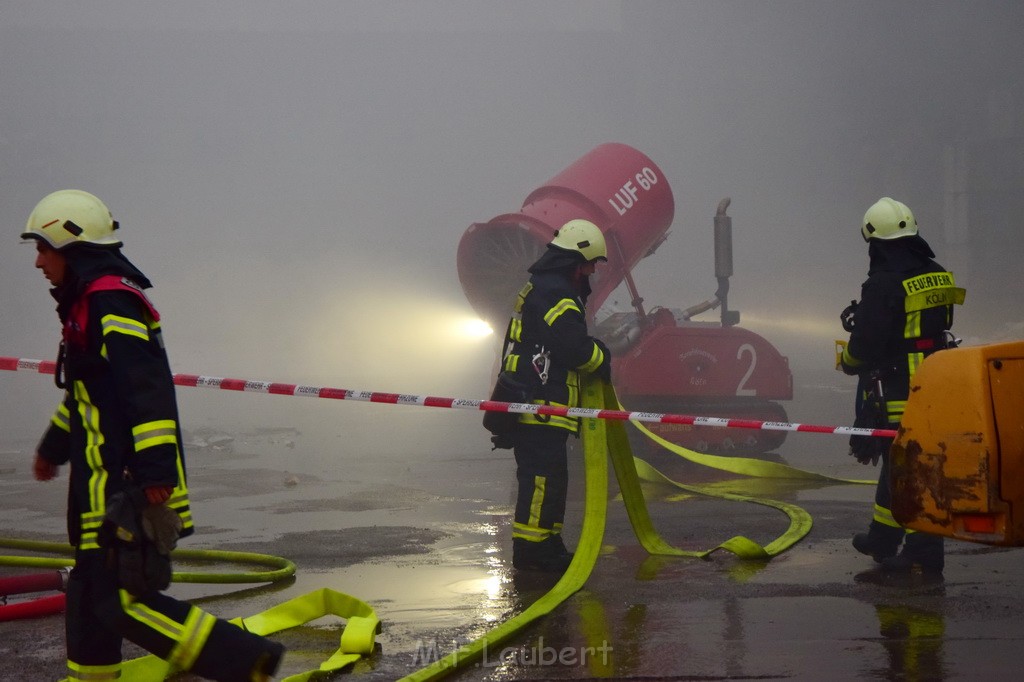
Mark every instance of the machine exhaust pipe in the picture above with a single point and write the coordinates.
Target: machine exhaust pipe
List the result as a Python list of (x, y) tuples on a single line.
[(723, 271)]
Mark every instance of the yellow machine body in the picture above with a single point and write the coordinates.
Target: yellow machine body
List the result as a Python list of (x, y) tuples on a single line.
[(957, 465)]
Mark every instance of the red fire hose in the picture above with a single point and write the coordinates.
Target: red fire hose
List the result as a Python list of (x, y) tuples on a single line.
[(35, 608), (37, 582)]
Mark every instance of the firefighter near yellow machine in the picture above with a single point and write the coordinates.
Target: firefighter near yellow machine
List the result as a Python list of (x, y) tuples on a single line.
[(989, 427)]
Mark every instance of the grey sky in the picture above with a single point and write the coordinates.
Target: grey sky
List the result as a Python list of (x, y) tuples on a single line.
[(295, 177)]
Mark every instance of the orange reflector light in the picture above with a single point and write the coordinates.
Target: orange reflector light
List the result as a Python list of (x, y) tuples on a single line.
[(979, 523)]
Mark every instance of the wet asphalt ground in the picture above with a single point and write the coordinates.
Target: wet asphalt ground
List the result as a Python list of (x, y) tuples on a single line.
[(426, 542)]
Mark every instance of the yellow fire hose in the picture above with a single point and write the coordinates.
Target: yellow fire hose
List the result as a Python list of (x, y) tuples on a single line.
[(357, 637), (745, 465), (607, 438), (601, 439), (282, 568)]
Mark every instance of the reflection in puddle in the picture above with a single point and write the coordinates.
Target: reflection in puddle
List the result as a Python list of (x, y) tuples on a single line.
[(469, 590), (913, 639)]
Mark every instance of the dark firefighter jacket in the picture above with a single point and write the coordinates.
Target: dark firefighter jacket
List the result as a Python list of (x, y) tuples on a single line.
[(551, 317), (118, 421), (905, 309)]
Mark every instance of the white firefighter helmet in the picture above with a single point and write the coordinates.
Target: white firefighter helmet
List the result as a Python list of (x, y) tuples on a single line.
[(71, 216), (583, 237), (888, 219)]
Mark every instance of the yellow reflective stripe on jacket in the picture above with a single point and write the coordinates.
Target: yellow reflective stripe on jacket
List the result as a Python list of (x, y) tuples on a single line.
[(895, 409), (914, 361), (549, 419), (62, 418), (124, 325), (515, 330), (596, 358), (912, 327), (511, 362), (94, 439), (156, 334), (179, 502), (92, 673), (848, 359), (556, 311), (572, 382), (154, 433), (89, 527), (521, 297)]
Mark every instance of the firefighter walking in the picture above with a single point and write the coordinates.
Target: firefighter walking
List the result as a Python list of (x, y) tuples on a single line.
[(117, 427), (549, 350), (904, 315)]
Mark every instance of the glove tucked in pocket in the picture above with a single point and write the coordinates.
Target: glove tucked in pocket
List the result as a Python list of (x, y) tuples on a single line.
[(869, 449), (872, 413), (138, 540), (507, 389)]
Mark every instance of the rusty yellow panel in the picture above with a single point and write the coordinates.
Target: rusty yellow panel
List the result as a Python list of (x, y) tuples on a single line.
[(951, 463), (1006, 376)]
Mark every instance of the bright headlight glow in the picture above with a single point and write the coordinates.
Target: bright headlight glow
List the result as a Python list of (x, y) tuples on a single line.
[(476, 328)]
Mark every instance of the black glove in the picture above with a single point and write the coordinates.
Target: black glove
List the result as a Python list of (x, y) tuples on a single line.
[(871, 414), (869, 449), (847, 316)]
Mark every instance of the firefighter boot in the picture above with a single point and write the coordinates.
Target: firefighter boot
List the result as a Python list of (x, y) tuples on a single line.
[(549, 555), (880, 542), (919, 551)]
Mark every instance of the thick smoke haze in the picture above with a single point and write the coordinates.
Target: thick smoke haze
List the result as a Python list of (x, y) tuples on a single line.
[(295, 178)]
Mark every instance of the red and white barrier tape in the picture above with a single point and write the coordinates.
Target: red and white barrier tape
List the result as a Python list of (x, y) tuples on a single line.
[(249, 386)]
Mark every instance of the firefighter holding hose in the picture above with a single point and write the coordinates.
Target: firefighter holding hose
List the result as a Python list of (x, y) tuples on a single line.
[(548, 352), (117, 427), (904, 315)]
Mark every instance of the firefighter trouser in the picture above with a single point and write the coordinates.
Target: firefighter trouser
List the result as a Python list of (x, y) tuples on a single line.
[(543, 476), (882, 521), (99, 614)]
